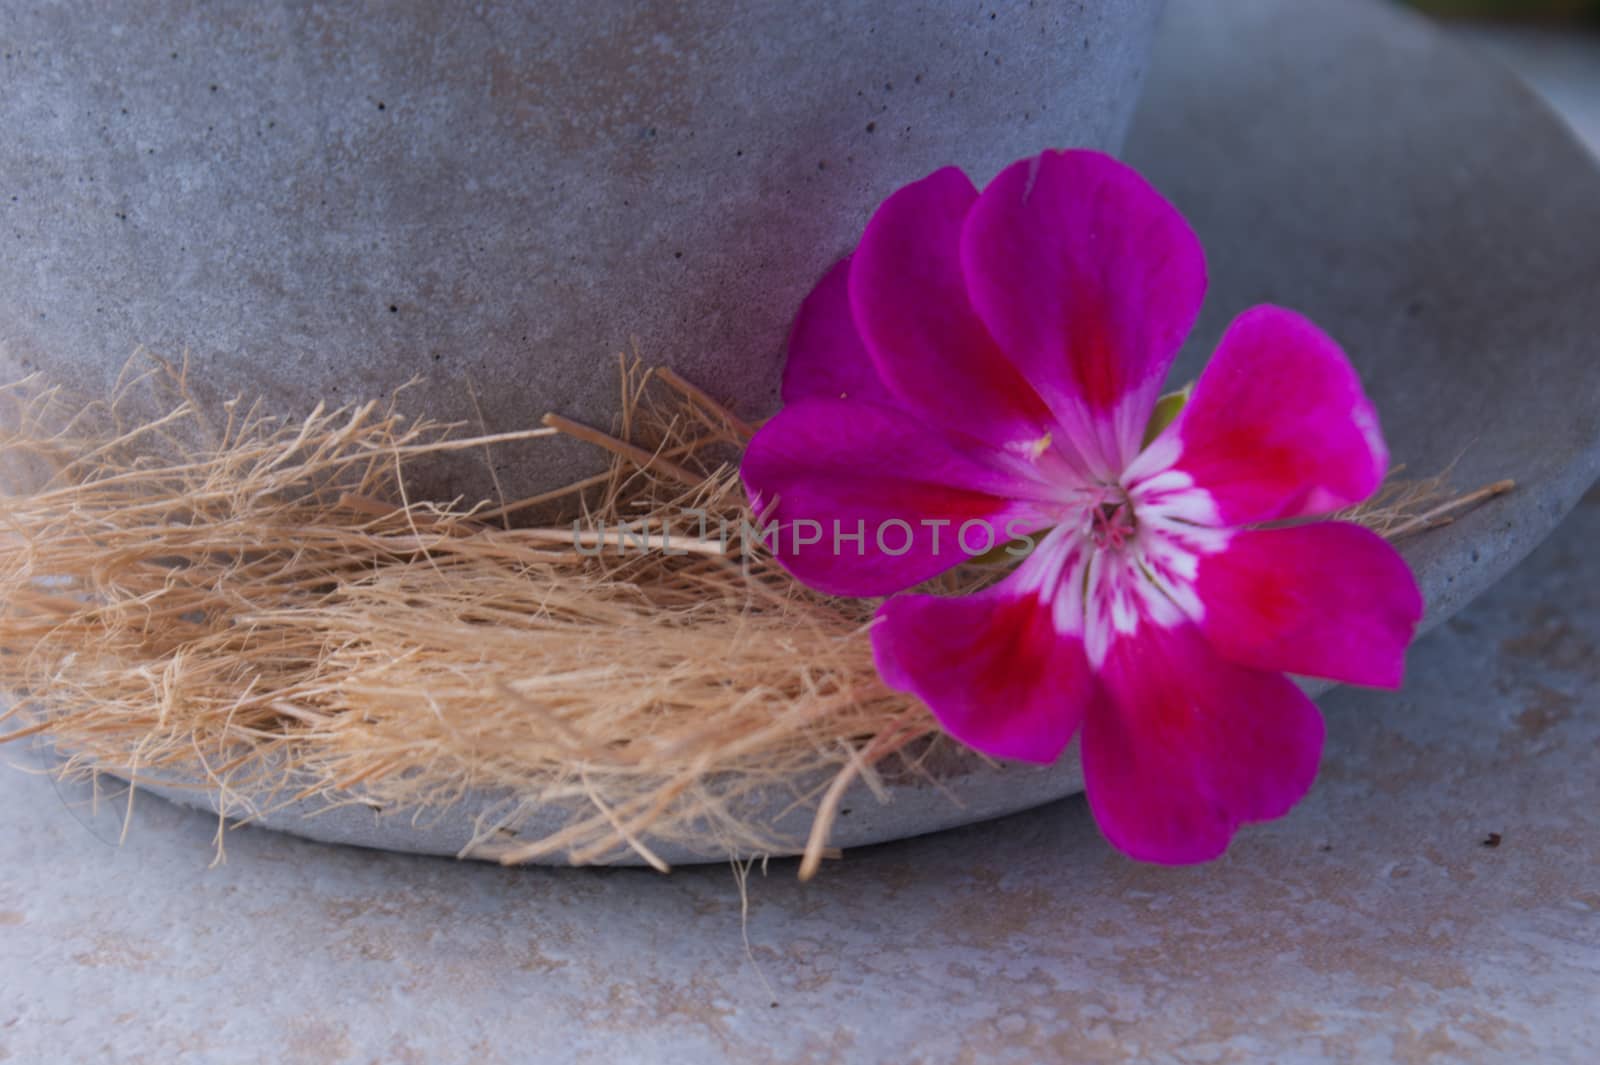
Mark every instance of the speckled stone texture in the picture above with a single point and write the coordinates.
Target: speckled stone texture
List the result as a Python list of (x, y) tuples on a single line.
[(1375, 923), (327, 200)]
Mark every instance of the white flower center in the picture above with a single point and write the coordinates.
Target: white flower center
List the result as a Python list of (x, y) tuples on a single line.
[(1127, 554)]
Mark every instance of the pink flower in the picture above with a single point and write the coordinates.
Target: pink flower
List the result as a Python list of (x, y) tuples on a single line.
[(986, 366)]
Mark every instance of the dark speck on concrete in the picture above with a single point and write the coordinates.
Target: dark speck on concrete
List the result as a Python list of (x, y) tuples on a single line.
[(393, 309), (872, 127), (1492, 840)]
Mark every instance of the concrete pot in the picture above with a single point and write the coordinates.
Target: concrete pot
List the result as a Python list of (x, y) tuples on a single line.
[(1416, 201), (324, 201)]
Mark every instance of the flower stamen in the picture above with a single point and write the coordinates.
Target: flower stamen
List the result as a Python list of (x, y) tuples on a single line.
[(1113, 523)]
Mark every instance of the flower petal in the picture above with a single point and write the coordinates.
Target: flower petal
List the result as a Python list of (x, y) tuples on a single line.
[(868, 500), (1089, 281), (994, 667), (827, 357), (1186, 746), (1279, 426), (910, 304), (1327, 600)]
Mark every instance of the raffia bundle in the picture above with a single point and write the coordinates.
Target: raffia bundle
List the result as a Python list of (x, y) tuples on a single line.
[(257, 605)]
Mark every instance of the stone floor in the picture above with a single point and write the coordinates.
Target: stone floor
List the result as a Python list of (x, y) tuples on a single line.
[(1435, 899)]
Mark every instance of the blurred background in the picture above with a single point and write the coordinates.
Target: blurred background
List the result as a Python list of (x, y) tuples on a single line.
[(1553, 44), (1533, 10)]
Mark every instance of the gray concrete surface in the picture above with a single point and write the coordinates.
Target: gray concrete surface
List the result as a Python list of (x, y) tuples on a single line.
[(323, 201), (1376, 923)]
